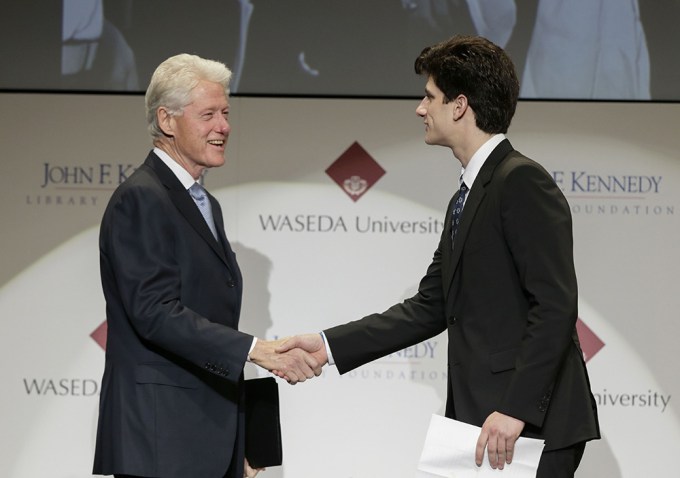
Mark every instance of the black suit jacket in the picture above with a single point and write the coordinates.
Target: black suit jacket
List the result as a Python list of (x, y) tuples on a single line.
[(171, 395), (506, 292)]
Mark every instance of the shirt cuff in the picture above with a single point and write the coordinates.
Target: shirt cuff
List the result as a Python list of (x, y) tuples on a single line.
[(328, 350), (252, 346)]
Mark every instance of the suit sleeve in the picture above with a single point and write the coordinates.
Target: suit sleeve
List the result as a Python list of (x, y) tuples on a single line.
[(538, 231), (144, 260), (416, 319)]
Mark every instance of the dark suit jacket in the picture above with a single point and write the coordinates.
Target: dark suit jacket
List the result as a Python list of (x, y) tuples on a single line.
[(506, 292), (171, 395)]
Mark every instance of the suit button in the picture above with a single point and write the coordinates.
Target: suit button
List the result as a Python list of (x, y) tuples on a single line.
[(452, 321), (231, 284)]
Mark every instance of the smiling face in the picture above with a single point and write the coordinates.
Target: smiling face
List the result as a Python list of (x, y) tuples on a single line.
[(437, 115), (196, 138)]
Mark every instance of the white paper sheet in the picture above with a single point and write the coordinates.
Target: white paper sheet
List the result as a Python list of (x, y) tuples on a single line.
[(449, 451)]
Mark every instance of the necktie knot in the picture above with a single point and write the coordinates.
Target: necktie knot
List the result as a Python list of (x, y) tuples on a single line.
[(197, 192), (463, 190)]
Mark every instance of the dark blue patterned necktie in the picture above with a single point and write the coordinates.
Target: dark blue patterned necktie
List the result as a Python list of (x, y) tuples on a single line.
[(458, 210)]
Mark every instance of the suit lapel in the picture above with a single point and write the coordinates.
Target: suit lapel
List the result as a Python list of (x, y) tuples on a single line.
[(182, 200), (474, 199), (223, 240)]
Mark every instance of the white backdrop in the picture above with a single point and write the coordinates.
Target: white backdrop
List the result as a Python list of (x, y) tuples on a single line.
[(309, 262)]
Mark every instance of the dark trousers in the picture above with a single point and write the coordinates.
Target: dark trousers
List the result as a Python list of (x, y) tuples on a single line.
[(229, 474), (560, 463), (132, 476)]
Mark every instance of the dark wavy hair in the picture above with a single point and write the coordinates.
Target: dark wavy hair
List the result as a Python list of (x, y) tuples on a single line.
[(478, 69)]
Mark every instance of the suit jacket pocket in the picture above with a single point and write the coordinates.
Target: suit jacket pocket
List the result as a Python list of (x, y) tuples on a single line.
[(503, 360), (165, 374)]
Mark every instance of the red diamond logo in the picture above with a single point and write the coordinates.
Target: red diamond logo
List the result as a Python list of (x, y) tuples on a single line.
[(99, 335), (355, 171), (590, 343)]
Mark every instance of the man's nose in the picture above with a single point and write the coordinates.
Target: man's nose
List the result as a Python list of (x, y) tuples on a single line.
[(224, 126), (421, 110)]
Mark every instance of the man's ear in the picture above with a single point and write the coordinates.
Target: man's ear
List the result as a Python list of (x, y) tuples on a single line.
[(459, 106), (166, 121)]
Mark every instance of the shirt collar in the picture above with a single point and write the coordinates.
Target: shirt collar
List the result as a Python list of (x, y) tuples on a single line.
[(469, 173), (181, 173)]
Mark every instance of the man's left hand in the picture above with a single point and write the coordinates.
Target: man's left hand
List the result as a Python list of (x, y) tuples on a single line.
[(499, 434), (249, 471)]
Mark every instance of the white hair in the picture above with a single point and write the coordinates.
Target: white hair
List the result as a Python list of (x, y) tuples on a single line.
[(172, 82)]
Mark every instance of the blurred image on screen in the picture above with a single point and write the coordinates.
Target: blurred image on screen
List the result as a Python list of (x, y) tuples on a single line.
[(563, 49)]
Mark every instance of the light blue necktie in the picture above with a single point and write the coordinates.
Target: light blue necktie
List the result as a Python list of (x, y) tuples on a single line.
[(458, 210), (201, 199)]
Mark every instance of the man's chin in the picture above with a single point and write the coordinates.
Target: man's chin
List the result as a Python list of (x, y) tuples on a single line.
[(215, 162)]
